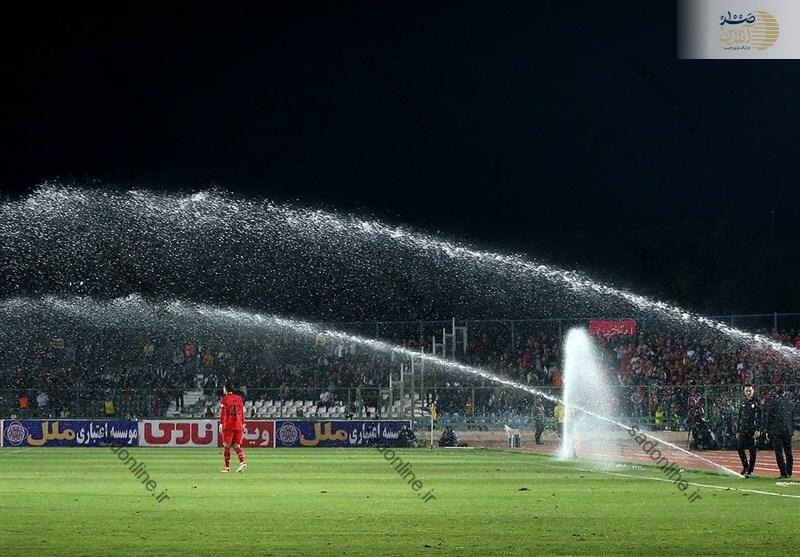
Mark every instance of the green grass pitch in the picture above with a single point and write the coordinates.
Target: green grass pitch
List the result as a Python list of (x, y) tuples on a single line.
[(351, 502)]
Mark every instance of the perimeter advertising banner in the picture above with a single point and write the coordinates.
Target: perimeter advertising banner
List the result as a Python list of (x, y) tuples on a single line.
[(356, 433), (202, 433), (198, 433), (69, 433), (179, 433), (258, 434)]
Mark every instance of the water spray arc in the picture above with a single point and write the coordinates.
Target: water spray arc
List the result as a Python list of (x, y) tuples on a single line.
[(152, 230)]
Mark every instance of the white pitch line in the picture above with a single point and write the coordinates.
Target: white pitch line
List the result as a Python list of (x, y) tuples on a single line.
[(709, 486), (731, 461)]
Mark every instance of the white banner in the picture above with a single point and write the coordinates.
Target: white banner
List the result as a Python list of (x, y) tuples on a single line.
[(738, 29)]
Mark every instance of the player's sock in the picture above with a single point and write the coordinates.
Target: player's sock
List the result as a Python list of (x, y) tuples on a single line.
[(227, 454), (240, 454)]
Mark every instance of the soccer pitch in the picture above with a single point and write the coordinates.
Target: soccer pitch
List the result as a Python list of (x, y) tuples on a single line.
[(85, 502)]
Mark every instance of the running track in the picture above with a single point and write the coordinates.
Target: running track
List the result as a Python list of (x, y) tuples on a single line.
[(765, 462)]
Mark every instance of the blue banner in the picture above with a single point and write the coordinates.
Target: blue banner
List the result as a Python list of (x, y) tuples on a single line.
[(70, 433), (355, 433)]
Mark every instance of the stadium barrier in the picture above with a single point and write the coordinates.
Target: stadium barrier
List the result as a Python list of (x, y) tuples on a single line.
[(198, 433), (351, 433), (68, 433), (491, 406)]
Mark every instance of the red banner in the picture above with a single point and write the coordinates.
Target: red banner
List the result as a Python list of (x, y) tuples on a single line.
[(257, 434), (609, 328), (202, 433), (178, 433)]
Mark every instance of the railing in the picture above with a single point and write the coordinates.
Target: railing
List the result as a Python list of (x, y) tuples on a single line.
[(477, 406), (514, 329)]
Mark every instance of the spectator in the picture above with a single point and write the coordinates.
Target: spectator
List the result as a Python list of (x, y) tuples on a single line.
[(24, 405), (469, 414), (556, 378), (42, 401), (208, 359), (658, 418), (325, 399), (178, 389)]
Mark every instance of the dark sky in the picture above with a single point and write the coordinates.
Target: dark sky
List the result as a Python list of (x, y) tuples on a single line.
[(524, 127)]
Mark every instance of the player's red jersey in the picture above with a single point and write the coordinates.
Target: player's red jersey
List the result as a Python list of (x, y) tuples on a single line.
[(231, 412)]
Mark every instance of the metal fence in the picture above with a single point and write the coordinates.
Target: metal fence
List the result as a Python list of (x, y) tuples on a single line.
[(405, 398), (513, 329)]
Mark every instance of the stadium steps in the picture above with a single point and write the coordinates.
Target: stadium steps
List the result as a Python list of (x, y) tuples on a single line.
[(192, 402)]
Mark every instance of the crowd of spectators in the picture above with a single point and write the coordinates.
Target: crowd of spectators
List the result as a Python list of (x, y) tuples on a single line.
[(118, 375)]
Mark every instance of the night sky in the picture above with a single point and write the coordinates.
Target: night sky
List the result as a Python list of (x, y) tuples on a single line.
[(518, 127)]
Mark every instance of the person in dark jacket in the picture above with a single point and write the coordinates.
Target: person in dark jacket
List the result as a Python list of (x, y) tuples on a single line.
[(538, 420), (448, 438), (748, 430), (780, 425)]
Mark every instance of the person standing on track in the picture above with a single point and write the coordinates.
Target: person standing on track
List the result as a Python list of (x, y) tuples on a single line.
[(231, 425), (559, 415), (780, 425), (538, 420), (748, 430)]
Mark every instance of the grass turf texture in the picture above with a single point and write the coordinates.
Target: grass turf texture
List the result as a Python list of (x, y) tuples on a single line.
[(85, 502)]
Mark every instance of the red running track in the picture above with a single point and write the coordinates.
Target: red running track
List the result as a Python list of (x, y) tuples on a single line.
[(632, 453)]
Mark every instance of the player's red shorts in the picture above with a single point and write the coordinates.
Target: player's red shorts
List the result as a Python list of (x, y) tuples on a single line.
[(230, 436)]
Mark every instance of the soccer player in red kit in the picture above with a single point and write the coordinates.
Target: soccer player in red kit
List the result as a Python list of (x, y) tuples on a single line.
[(231, 424)]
